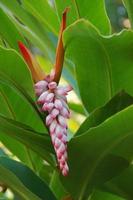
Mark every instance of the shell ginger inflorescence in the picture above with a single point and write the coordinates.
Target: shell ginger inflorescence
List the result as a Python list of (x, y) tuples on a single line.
[(52, 99)]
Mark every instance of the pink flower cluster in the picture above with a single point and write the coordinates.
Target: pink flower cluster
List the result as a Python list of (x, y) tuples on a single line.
[(52, 99)]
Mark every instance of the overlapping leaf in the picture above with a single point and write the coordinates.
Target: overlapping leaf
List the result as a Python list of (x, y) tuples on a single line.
[(97, 142), (94, 11), (23, 181), (29, 26), (16, 92), (8, 31), (31, 139), (44, 12), (122, 184), (104, 65), (98, 195)]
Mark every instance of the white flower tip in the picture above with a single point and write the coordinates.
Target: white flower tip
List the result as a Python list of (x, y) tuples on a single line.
[(58, 104), (49, 97), (62, 121), (49, 120), (65, 170), (52, 85), (42, 97), (54, 113), (41, 84)]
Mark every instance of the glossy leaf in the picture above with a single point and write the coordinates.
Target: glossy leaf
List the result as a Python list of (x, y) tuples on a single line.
[(29, 26), (86, 9), (103, 64), (98, 195), (78, 108), (97, 143), (57, 187), (10, 107), (7, 27), (23, 181), (41, 144), (28, 115), (10, 70), (11, 99), (116, 104), (49, 18), (122, 184)]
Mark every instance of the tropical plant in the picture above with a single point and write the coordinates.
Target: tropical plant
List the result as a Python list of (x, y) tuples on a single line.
[(98, 65)]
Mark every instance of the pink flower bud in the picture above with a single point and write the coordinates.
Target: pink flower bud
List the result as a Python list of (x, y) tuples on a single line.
[(53, 137), (54, 113), (64, 139), (38, 91), (49, 120), (61, 166), (42, 98), (57, 143), (68, 88), (65, 170), (58, 132), (53, 126), (52, 85), (59, 154), (64, 104), (65, 113), (41, 85), (49, 98), (47, 106), (62, 121), (62, 148), (61, 91), (62, 160), (54, 101), (58, 104)]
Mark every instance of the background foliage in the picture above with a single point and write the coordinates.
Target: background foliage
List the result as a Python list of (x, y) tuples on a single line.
[(98, 64)]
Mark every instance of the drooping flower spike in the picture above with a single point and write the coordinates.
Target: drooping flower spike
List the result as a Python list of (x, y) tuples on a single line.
[(52, 98)]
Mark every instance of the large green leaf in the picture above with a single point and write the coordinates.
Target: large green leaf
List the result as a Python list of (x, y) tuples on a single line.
[(116, 104), (10, 107), (59, 191), (97, 143), (94, 11), (122, 184), (41, 144), (13, 68), (25, 113), (99, 195), (29, 26), (23, 181), (104, 65), (8, 31), (11, 99), (14, 72), (44, 12)]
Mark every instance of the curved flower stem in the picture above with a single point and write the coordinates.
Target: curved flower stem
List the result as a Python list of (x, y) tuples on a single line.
[(60, 49)]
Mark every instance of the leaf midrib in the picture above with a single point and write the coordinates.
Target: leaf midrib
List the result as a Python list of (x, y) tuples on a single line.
[(110, 147)]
